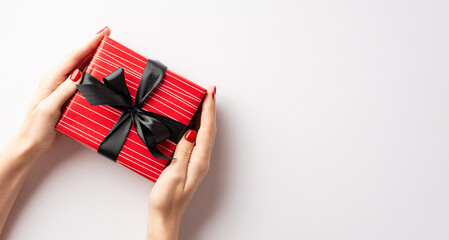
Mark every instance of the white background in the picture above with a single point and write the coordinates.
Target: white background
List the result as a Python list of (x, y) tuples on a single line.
[(333, 118)]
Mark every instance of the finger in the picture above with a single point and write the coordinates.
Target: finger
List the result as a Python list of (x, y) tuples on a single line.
[(208, 126), (65, 90), (76, 57), (177, 170), (200, 157), (85, 62)]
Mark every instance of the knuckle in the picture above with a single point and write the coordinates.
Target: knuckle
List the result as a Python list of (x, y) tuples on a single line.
[(203, 168), (176, 178), (183, 153), (67, 86)]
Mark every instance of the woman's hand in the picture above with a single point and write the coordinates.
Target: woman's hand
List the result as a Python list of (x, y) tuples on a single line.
[(178, 182), (37, 133), (55, 88)]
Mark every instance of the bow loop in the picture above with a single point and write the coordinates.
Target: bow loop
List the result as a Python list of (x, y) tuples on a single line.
[(155, 71), (116, 82)]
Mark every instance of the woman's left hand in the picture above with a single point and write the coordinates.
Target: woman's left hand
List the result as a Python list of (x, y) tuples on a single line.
[(56, 87), (37, 133)]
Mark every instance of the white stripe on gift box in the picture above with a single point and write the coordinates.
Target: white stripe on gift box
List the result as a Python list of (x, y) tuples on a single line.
[(78, 132), (164, 88), (139, 144), (126, 147), (108, 54), (193, 106), (135, 88), (113, 110), (126, 165), (84, 144), (136, 75), (122, 152), (187, 83), (129, 82), (159, 97), (169, 141)]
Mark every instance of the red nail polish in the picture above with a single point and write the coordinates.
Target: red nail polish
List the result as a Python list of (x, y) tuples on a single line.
[(102, 30), (191, 136), (213, 93), (76, 75)]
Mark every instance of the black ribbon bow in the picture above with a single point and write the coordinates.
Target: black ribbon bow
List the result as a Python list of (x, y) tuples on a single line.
[(152, 128)]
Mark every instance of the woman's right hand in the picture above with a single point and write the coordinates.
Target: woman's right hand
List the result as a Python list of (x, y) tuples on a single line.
[(177, 184)]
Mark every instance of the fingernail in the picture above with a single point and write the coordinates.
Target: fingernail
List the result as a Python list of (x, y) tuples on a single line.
[(191, 136), (76, 75), (213, 93), (102, 30)]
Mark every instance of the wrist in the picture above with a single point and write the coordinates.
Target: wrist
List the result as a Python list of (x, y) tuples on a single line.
[(21, 146), (16, 159), (162, 228)]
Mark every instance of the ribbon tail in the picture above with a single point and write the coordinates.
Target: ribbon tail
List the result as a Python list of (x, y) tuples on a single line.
[(175, 128), (114, 141), (152, 132), (158, 154)]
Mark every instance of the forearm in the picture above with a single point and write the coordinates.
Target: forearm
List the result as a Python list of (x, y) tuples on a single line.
[(16, 160), (160, 228)]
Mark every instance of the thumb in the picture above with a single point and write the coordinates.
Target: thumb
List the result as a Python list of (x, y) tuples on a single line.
[(185, 146), (65, 90), (182, 154)]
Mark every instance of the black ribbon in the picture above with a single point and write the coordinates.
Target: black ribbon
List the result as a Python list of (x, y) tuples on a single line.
[(152, 128)]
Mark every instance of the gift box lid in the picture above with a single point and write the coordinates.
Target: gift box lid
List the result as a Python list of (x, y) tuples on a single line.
[(174, 97)]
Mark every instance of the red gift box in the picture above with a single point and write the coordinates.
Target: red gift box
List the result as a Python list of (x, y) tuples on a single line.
[(175, 97)]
